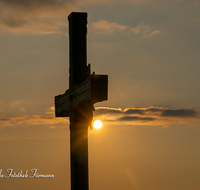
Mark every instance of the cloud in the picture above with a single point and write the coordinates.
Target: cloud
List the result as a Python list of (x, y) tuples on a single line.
[(113, 1), (130, 116), (22, 109), (179, 113), (18, 119), (17, 103), (14, 23), (38, 16), (33, 4), (50, 110), (106, 27), (50, 16), (150, 115), (140, 28), (143, 29), (135, 118), (134, 111), (29, 8), (107, 110), (155, 32)]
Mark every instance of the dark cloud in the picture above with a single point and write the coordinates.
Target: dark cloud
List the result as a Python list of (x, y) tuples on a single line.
[(135, 118), (33, 4), (35, 16), (154, 109), (179, 113), (134, 111), (14, 23), (153, 115), (4, 119), (101, 111), (160, 111)]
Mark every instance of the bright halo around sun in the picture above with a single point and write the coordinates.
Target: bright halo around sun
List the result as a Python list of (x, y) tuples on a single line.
[(97, 124)]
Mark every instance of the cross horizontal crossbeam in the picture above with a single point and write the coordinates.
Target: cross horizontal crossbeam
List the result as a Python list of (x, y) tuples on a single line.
[(95, 89)]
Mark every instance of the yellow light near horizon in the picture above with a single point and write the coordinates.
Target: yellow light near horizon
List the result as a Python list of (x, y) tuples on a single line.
[(97, 124)]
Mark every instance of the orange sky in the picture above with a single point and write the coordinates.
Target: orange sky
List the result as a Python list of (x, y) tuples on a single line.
[(150, 51)]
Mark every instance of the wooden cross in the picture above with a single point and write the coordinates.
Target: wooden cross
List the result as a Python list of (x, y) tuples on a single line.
[(85, 89)]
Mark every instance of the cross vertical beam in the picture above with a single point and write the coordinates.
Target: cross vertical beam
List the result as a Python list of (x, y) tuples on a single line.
[(77, 102), (79, 114), (77, 48)]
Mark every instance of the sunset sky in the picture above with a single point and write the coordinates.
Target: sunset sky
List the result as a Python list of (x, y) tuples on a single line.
[(150, 50)]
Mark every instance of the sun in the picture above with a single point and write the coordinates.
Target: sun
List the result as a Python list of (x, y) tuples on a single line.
[(97, 124)]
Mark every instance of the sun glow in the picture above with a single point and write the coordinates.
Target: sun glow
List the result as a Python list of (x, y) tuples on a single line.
[(97, 124)]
